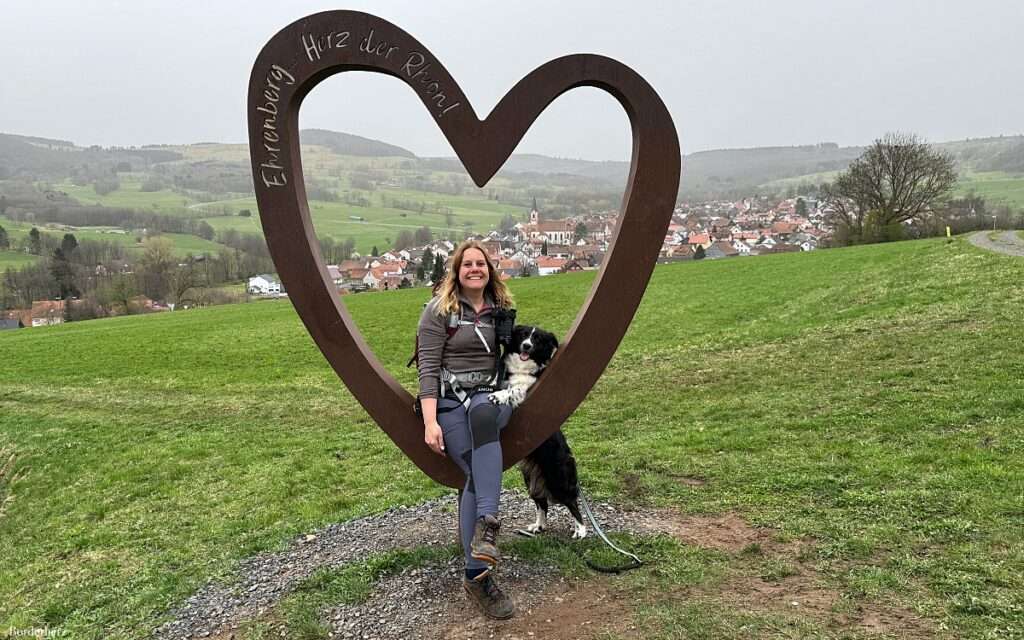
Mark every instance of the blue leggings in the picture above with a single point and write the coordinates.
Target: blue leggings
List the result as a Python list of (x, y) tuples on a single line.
[(471, 440)]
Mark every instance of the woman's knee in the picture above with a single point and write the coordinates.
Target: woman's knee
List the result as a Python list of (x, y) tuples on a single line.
[(484, 422)]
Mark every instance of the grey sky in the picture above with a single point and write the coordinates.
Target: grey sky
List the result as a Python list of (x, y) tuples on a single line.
[(734, 74)]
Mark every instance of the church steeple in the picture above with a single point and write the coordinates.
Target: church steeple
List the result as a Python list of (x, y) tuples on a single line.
[(534, 214)]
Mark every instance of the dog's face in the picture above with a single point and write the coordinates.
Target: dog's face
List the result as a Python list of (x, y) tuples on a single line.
[(533, 343)]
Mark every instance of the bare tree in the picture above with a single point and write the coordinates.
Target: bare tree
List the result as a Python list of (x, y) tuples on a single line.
[(186, 283), (897, 179), (157, 263)]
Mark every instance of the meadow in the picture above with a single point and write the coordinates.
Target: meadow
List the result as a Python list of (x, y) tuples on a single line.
[(376, 224), (184, 244), (129, 195), (865, 402), (997, 187)]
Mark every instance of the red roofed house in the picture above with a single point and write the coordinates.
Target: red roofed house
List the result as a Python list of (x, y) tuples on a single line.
[(702, 239), (547, 265)]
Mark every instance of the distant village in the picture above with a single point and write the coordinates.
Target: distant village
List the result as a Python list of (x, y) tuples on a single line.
[(539, 247)]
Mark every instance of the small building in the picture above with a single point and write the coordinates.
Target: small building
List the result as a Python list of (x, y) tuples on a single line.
[(12, 323), (547, 265), (47, 312), (265, 285)]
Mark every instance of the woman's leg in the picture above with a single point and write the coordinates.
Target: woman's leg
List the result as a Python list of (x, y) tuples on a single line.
[(486, 421), (455, 426)]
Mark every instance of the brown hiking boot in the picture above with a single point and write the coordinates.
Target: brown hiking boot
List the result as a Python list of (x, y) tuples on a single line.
[(485, 540), (491, 600)]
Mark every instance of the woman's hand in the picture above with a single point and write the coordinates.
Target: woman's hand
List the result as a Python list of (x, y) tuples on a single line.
[(433, 436)]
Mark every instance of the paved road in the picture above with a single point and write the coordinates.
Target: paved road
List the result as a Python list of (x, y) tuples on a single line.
[(1007, 242)]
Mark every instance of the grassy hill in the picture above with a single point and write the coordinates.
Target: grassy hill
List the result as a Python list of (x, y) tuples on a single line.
[(183, 243), (369, 190), (866, 401)]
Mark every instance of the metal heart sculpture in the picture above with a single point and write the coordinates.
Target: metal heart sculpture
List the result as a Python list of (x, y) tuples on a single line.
[(317, 46)]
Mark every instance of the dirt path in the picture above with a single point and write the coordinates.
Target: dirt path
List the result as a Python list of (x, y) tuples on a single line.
[(427, 603), (1007, 242)]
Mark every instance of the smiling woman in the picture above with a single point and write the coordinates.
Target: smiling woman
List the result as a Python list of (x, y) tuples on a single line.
[(458, 358)]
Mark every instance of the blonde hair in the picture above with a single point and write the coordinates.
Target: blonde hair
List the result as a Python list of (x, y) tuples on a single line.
[(448, 291)]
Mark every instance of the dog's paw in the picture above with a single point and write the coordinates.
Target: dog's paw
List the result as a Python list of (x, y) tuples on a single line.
[(535, 528), (580, 532), (499, 397)]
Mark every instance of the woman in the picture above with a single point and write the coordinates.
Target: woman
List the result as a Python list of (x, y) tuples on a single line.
[(457, 359)]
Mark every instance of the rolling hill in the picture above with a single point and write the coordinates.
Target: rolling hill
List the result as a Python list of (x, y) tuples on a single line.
[(861, 404)]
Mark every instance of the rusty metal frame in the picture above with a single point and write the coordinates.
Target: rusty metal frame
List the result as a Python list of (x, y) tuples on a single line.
[(313, 48)]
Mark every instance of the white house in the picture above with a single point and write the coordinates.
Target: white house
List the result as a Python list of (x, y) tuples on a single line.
[(265, 285), (742, 247)]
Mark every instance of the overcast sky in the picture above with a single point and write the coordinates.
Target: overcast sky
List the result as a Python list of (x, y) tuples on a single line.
[(734, 74)]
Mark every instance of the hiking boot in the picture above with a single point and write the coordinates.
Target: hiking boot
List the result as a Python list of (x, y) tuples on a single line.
[(485, 540), (491, 600)]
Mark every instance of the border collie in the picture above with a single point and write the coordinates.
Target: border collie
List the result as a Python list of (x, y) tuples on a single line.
[(550, 470)]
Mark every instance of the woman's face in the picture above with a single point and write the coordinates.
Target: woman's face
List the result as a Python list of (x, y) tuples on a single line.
[(473, 274)]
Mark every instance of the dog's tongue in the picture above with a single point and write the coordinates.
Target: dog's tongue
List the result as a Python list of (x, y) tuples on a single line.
[(524, 356)]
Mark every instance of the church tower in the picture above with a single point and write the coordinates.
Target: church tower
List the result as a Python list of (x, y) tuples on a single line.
[(534, 214)]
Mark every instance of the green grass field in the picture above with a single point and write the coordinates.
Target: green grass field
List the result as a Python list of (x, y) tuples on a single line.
[(381, 225), (997, 187), (184, 243), (15, 259), (866, 401), (130, 196)]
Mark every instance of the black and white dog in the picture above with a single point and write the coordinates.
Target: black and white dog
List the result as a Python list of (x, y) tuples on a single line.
[(550, 471)]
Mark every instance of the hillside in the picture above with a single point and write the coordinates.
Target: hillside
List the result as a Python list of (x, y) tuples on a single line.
[(856, 403), (347, 144), (705, 173)]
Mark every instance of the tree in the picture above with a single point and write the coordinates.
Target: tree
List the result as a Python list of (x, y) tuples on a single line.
[(5, 242), (204, 230), (157, 262), (423, 235), (438, 272), (698, 253), (121, 292), (801, 207), (580, 232), (63, 274), (185, 282), (507, 224), (348, 247), (35, 242), (404, 240), (544, 248), (898, 179), (3, 205), (68, 245), (374, 252)]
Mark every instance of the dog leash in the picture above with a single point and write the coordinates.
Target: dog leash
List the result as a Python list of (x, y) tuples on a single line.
[(636, 562)]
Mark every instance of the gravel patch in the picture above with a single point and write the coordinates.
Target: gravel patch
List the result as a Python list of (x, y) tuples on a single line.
[(1007, 242), (398, 604)]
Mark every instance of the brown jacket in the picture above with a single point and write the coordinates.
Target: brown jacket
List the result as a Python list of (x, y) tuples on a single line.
[(459, 349)]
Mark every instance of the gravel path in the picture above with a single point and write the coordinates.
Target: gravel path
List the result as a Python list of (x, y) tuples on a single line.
[(1007, 242), (399, 604)]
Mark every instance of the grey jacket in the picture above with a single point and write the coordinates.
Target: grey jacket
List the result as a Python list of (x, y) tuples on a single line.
[(462, 350)]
